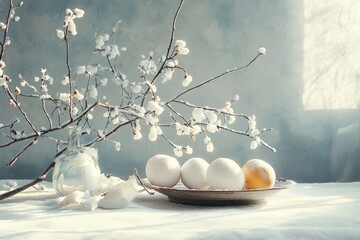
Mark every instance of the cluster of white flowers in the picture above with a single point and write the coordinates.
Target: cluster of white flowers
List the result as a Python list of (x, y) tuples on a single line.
[(254, 132), (111, 50), (69, 23), (154, 110), (147, 66), (44, 80), (180, 47), (169, 70)]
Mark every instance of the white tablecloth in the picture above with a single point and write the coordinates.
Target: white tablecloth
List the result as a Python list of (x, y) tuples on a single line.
[(305, 211)]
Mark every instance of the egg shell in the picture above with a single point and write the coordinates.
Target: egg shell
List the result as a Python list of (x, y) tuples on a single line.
[(258, 174), (163, 170), (224, 173), (193, 173)]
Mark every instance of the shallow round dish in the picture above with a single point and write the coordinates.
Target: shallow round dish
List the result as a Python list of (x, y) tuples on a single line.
[(180, 194)]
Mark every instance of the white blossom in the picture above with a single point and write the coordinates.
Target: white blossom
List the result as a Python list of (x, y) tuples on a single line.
[(3, 82), (89, 116), (60, 33), (136, 88), (210, 147), (207, 140), (230, 119), (1, 72), (198, 114), (65, 80), (194, 130), (211, 116), (137, 135), (212, 127), (115, 120), (93, 91), (17, 90), (101, 133), (74, 111), (187, 80), (2, 64), (69, 12), (78, 13), (7, 41), (103, 81), (72, 27), (188, 150), (255, 143), (78, 95), (117, 146), (154, 106), (180, 47), (252, 122), (236, 97), (178, 151), (153, 134), (44, 88), (106, 114), (91, 69), (80, 70), (64, 97), (36, 79), (2, 25), (262, 50)]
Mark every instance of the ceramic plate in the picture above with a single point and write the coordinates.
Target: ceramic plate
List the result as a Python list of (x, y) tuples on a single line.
[(180, 194)]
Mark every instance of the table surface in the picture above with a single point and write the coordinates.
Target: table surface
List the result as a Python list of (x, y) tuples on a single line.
[(304, 211)]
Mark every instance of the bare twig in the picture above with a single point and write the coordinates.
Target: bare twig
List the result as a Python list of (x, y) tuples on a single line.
[(51, 129), (11, 6), (172, 36), (212, 79), (30, 184), (69, 71), (16, 157), (21, 110)]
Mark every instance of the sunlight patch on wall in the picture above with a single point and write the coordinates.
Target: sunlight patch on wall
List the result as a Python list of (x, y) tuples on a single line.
[(331, 54)]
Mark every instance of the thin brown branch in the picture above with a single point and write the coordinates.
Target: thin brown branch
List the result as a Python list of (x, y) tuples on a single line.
[(213, 78), (186, 103), (30, 184), (16, 157), (51, 129), (21, 110), (168, 49), (68, 71), (6, 30)]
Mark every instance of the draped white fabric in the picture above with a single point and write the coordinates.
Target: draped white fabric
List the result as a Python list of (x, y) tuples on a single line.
[(304, 211)]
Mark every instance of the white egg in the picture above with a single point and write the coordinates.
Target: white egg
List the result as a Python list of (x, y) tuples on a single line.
[(193, 173), (163, 170), (224, 173)]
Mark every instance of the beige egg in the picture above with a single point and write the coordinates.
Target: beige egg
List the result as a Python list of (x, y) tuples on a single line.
[(224, 173), (193, 173), (258, 174), (162, 170)]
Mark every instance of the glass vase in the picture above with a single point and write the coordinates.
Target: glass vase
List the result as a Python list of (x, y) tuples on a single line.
[(77, 169)]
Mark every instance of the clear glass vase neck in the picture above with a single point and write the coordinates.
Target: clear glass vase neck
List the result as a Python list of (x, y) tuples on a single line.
[(74, 134)]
